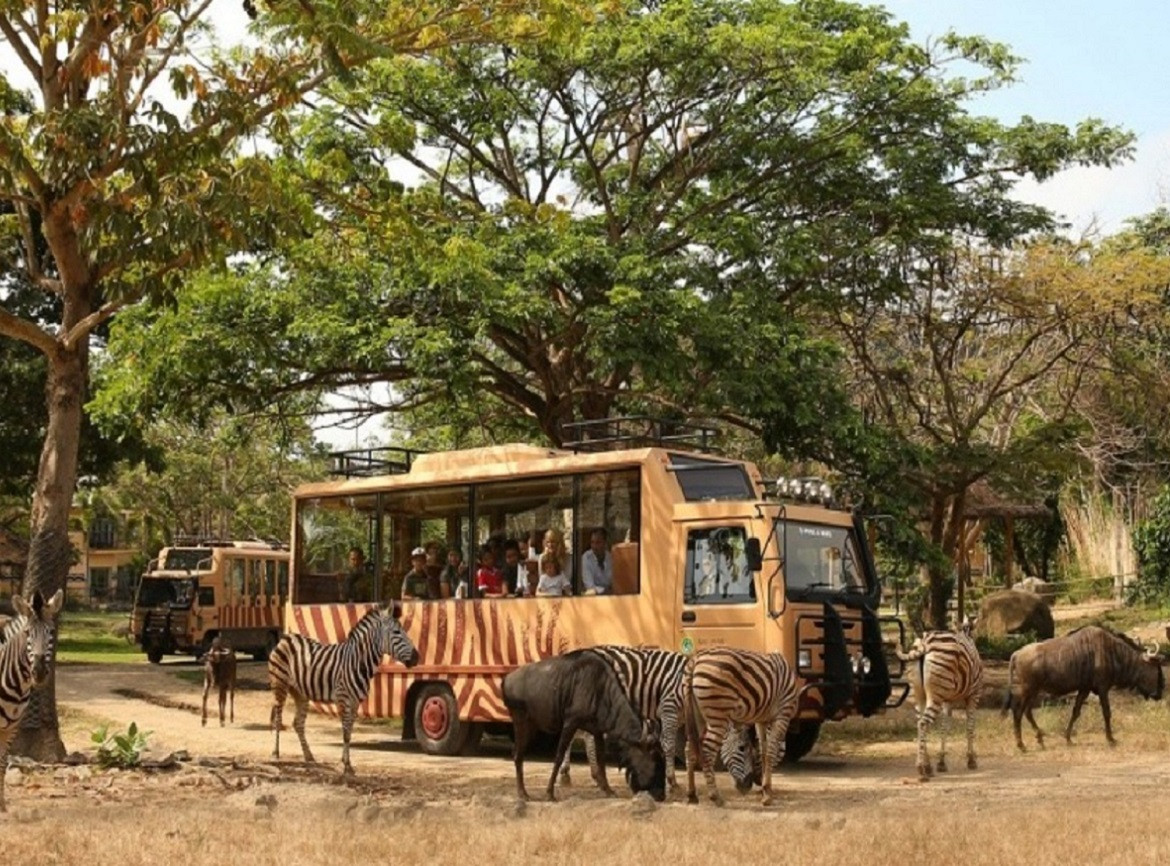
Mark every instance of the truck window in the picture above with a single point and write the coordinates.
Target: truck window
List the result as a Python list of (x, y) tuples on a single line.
[(207, 596), (717, 569)]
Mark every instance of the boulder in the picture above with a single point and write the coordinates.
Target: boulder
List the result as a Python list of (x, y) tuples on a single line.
[(1014, 612), (1035, 585)]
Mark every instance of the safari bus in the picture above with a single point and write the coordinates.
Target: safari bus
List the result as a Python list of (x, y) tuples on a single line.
[(197, 590), (702, 554)]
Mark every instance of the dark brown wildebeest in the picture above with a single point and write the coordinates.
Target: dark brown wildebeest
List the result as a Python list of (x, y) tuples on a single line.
[(219, 672), (579, 691), (1089, 659)]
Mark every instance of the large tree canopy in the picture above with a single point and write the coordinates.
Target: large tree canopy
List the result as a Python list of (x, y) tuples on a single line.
[(643, 216)]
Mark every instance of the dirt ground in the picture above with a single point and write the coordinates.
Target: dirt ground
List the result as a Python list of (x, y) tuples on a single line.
[(856, 795)]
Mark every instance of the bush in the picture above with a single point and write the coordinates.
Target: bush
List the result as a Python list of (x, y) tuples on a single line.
[(1151, 543), (1001, 647), (120, 750)]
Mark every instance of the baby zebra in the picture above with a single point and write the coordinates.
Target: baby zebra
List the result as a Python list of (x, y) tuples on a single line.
[(726, 687), (26, 651), (219, 671), (334, 673), (947, 672)]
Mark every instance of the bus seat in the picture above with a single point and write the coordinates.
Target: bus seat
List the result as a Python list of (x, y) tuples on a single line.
[(625, 567)]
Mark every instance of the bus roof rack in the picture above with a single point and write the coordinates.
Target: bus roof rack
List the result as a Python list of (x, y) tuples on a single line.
[(638, 431), (182, 539), (368, 462)]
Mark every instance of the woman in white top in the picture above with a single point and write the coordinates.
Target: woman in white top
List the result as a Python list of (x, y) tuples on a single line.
[(553, 580)]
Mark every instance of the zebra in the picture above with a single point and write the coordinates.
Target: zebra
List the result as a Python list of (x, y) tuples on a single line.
[(653, 681), (334, 673), (26, 655), (730, 687), (948, 672)]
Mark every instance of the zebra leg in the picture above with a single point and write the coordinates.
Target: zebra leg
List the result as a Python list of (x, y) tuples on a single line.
[(944, 729), (712, 739), (299, 726), (589, 753), (595, 749), (348, 711), (691, 751), (773, 744), (925, 720), (275, 719), (972, 764), (1076, 713), (668, 717)]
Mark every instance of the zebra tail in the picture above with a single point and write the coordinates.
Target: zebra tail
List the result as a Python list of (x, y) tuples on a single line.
[(690, 708)]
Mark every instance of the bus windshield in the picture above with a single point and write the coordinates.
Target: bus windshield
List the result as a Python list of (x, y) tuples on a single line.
[(819, 559), (158, 591), (187, 559)]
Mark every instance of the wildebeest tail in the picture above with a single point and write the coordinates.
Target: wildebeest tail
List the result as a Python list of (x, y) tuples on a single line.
[(1007, 698)]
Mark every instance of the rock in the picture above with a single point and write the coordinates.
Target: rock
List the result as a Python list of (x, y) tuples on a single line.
[(1036, 586), (268, 801), (643, 803), (519, 808), (74, 759), (1014, 612), (13, 777), (120, 629)]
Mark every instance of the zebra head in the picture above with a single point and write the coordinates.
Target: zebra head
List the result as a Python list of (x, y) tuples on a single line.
[(395, 642), (741, 757), (36, 628)]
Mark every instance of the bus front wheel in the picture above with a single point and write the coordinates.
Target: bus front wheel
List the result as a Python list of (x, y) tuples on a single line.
[(154, 655), (437, 725), (800, 741)]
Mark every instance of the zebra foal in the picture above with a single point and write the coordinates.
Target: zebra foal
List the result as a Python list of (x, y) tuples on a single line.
[(945, 671), (26, 653), (728, 688), (337, 673)]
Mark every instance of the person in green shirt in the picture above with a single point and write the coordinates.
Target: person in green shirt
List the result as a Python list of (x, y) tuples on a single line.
[(416, 584)]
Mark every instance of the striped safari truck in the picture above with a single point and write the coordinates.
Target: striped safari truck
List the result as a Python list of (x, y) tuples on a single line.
[(195, 591), (663, 546)]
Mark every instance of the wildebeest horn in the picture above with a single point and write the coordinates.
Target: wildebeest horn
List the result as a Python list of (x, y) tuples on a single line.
[(1152, 651)]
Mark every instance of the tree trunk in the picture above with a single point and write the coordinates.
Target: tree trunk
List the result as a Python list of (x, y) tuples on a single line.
[(50, 553)]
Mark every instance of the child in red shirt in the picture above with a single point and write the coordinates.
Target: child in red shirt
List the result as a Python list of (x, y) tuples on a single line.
[(489, 582)]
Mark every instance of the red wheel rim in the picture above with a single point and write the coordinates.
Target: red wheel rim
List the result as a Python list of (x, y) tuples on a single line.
[(435, 720)]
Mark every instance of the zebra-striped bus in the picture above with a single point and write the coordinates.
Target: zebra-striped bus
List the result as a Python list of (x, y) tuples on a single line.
[(660, 547)]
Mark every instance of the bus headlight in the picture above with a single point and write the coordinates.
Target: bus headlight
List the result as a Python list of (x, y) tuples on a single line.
[(804, 659)]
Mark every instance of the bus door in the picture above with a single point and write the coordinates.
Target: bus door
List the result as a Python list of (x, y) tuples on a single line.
[(721, 605)]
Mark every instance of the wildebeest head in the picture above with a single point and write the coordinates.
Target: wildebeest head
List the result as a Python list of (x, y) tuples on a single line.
[(645, 768), (36, 630), (395, 642), (740, 756), (1150, 681)]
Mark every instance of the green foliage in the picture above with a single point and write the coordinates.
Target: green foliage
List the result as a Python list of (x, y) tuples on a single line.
[(1001, 647), (123, 751), (1151, 543)]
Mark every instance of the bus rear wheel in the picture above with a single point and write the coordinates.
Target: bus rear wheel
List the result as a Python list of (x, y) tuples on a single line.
[(154, 655), (437, 725)]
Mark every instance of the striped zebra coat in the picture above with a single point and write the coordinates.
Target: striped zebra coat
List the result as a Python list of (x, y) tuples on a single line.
[(945, 671), (334, 673), (729, 687), (26, 653)]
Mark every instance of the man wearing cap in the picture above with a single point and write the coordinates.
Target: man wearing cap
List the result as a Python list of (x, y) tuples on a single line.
[(416, 586)]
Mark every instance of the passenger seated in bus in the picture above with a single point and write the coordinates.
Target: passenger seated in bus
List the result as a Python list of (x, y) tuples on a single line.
[(489, 582), (355, 584), (415, 584), (515, 576), (553, 580), (597, 565), (453, 576), (434, 568)]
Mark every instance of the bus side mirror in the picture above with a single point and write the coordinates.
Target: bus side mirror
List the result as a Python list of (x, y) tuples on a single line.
[(755, 556)]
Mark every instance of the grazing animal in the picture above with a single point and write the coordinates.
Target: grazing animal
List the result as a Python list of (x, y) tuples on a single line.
[(579, 691), (726, 687), (26, 653), (1087, 659), (219, 672), (946, 671), (334, 673)]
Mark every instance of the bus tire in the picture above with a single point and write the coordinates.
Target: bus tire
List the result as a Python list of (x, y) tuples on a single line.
[(154, 655), (437, 726), (800, 741), (261, 655)]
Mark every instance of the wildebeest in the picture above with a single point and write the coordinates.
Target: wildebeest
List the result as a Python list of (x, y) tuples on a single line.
[(1088, 659), (219, 672), (579, 691)]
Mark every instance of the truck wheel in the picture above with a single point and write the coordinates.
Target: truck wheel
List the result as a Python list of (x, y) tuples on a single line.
[(800, 741), (154, 655), (436, 721)]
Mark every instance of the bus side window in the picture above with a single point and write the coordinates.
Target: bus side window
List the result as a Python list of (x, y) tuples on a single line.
[(282, 579), (269, 581), (235, 581)]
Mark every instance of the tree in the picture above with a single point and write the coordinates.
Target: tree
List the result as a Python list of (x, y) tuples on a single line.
[(125, 170), (637, 218), (974, 374)]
